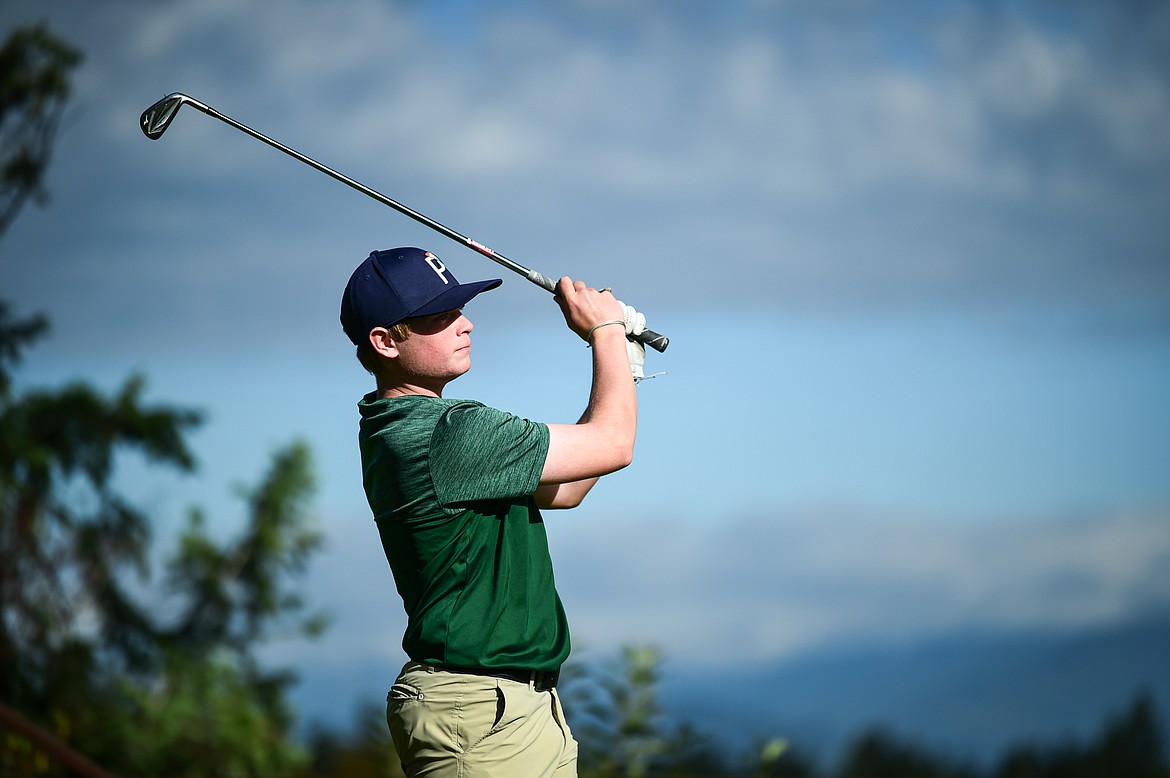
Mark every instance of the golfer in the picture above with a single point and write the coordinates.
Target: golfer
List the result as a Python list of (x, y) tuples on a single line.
[(456, 490)]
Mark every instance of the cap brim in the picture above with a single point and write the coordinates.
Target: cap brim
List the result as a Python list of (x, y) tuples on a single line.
[(455, 297)]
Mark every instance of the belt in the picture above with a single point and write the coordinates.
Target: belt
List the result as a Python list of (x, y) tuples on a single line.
[(541, 680)]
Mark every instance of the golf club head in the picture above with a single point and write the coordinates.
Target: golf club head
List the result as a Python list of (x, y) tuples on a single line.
[(158, 117)]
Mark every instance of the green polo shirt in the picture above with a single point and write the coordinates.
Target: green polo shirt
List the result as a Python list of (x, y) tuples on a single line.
[(450, 483)]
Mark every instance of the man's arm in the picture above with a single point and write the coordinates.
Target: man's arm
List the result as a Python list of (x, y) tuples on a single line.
[(560, 496), (603, 440), (566, 495)]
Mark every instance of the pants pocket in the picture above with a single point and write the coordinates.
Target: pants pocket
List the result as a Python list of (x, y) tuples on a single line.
[(404, 692)]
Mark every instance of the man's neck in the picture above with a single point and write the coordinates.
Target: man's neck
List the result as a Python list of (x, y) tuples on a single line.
[(407, 390)]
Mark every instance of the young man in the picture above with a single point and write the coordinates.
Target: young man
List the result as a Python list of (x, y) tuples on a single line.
[(456, 490)]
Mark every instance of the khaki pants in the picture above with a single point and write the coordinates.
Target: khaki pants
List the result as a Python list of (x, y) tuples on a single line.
[(460, 725)]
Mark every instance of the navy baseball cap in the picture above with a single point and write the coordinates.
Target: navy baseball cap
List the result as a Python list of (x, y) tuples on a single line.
[(396, 284)]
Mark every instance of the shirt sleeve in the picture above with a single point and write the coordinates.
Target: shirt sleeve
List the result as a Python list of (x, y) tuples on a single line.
[(480, 453)]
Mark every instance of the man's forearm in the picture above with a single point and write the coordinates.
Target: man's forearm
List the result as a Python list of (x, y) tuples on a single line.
[(613, 401), (562, 496), (603, 440)]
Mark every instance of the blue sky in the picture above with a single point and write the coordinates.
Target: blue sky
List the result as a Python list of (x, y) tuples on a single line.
[(912, 258)]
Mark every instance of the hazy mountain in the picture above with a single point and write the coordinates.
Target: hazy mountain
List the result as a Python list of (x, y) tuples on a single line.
[(968, 695)]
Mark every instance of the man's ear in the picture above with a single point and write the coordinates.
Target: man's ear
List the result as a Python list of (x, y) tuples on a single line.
[(383, 343)]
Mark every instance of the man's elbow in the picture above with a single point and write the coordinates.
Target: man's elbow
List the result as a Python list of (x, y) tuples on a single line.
[(623, 455), (616, 455), (560, 502), (567, 502)]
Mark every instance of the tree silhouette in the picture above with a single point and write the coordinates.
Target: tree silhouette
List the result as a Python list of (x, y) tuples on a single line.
[(34, 87), (211, 707), (97, 656), (152, 686), (878, 754), (1129, 745)]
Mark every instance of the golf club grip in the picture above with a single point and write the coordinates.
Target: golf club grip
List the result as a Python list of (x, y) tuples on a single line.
[(646, 338), (653, 340)]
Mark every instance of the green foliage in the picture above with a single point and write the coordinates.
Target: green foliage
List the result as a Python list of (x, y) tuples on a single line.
[(214, 709), (15, 335), (66, 535), (203, 717), (776, 758), (365, 753), (236, 590), (34, 86), (614, 713), (615, 716), (172, 685)]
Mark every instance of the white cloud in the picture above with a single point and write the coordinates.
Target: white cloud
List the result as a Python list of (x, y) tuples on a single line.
[(765, 590), (849, 155), (769, 590)]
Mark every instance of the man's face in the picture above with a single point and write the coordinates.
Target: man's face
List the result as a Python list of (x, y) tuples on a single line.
[(439, 347)]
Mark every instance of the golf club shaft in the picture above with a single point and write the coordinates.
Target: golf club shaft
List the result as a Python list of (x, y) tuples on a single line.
[(158, 117)]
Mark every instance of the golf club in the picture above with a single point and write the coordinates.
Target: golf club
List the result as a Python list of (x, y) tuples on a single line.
[(158, 117)]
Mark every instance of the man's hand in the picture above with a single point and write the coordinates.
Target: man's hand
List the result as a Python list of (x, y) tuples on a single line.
[(603, 440), (635, 325), (584, 307)]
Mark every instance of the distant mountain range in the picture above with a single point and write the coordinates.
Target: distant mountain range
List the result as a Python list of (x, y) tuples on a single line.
[(969, 696)]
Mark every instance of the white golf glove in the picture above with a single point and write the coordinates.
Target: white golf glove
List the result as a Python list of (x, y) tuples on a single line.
[(635, 325)]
